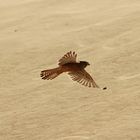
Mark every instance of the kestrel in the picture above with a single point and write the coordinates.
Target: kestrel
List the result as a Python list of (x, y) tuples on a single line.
[(75, 69)]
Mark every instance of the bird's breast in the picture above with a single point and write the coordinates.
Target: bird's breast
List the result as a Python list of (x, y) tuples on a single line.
[(71, 67)]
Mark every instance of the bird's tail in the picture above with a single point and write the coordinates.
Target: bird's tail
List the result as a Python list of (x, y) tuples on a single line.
[(51, 73)]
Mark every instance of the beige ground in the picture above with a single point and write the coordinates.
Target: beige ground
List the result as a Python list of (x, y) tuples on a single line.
[(34, 34)]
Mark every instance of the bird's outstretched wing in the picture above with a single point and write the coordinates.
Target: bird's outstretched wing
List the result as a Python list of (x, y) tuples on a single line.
[(83, 78), (69, 57)]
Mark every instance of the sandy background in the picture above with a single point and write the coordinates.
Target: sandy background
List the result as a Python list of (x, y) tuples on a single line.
[(34, 34)]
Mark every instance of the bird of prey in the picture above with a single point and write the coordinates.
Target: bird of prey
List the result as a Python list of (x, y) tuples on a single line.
[(75, 69)]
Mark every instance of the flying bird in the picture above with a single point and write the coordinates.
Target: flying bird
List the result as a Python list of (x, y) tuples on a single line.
[(75, 69)]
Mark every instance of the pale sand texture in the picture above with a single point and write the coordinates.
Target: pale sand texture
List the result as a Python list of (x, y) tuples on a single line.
[(34, 34)]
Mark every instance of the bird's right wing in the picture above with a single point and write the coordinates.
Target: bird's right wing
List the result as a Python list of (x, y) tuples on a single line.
[(69, 57), (83, 78)]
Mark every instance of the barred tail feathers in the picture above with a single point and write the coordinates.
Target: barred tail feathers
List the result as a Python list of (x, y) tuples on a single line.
[(51, 73)]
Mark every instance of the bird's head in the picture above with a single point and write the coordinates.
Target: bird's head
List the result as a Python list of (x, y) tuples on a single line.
[(84, 63)]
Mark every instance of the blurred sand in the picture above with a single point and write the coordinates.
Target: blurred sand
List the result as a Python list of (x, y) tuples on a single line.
[(34, 34)]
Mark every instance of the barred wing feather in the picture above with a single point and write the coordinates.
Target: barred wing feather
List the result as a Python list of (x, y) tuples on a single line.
[(83, 78), (70, 57)]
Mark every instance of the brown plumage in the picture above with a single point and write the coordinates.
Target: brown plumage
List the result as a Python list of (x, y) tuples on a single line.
[(75, 69)]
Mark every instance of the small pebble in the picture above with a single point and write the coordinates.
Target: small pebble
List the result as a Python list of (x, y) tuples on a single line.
[(104, 88)]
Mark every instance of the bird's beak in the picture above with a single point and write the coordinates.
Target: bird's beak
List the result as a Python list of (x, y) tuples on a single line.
[(88, 64)]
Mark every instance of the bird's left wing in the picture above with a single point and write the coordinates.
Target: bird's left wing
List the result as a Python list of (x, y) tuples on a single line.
[(69, 57), (83, 78)]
